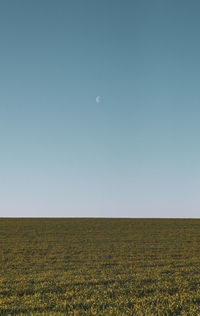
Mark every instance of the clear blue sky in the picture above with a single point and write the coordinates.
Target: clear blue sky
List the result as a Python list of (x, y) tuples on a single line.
[(136, 153)]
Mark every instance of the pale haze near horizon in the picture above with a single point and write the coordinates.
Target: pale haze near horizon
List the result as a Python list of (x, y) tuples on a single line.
[(135, 153)]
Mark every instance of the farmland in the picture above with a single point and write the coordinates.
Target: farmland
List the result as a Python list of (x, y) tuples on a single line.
[(54, 266)]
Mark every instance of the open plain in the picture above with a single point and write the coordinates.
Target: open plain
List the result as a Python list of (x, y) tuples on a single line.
[(88, 266)]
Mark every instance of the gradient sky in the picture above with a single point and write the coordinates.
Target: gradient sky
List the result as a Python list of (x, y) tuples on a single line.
[(136, 153)]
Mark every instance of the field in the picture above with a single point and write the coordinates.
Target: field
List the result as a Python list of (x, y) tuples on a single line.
[(99, 266)]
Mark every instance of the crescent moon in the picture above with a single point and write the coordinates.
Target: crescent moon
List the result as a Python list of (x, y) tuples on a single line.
[(98, 99)]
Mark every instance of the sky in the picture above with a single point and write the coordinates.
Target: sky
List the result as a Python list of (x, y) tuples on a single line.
[(136, 152)]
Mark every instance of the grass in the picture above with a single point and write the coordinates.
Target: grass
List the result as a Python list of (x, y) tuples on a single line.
[(99, 266)]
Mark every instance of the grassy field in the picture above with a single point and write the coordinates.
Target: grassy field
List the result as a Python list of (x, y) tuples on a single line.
[(99, 266)]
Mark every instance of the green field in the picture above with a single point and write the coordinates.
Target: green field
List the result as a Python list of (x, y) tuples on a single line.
[(99, 266)]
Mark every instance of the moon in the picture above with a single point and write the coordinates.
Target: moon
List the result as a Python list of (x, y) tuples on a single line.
[(98, 99)]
